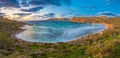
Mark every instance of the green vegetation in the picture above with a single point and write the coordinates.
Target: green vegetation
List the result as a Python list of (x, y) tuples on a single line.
[(105, 45)]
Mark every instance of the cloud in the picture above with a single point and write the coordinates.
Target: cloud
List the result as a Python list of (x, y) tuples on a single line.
[(49, 15), (1, 14), (108, 14), (34, 9), (18, 3), (9, 3), (29, 8), (22, 14), (27, 3), (45, 2), (23, 3), (49, 2)]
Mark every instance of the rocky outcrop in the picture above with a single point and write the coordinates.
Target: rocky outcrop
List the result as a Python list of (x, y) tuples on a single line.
[(89, 19)]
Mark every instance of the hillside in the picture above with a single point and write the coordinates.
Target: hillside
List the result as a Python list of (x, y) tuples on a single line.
[(101, 45)]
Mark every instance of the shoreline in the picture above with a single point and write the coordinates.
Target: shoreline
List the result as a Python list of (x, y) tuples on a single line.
[(91, 34), (75, 39)]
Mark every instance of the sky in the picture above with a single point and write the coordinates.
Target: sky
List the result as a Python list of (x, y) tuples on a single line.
[(44, 9)]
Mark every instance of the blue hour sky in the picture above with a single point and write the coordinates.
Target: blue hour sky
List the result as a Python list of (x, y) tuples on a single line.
[(44, 9)]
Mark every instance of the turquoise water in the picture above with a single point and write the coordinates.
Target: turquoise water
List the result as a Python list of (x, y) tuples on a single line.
[(51, 31)]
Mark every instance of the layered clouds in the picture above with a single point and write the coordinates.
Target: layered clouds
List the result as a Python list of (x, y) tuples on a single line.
[(42, 9), (29, 9)]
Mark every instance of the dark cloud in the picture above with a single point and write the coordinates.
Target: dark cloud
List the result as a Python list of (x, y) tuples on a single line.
[(35, 9), (22, 14), (9, 3), (17, 3), (49, 2), (26, 3), (1, 14), (45, 2), (108, 14), (49, 15)]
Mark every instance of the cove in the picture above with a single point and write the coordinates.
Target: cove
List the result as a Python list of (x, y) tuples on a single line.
[(52, 31)]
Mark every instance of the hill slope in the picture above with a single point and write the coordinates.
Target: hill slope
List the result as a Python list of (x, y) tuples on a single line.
[(101, 45)]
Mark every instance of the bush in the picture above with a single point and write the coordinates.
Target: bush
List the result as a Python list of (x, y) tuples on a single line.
[(5, 40)]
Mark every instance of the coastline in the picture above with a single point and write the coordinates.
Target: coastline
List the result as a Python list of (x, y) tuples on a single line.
[(24, 28), (91, 34), (86, 20)]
